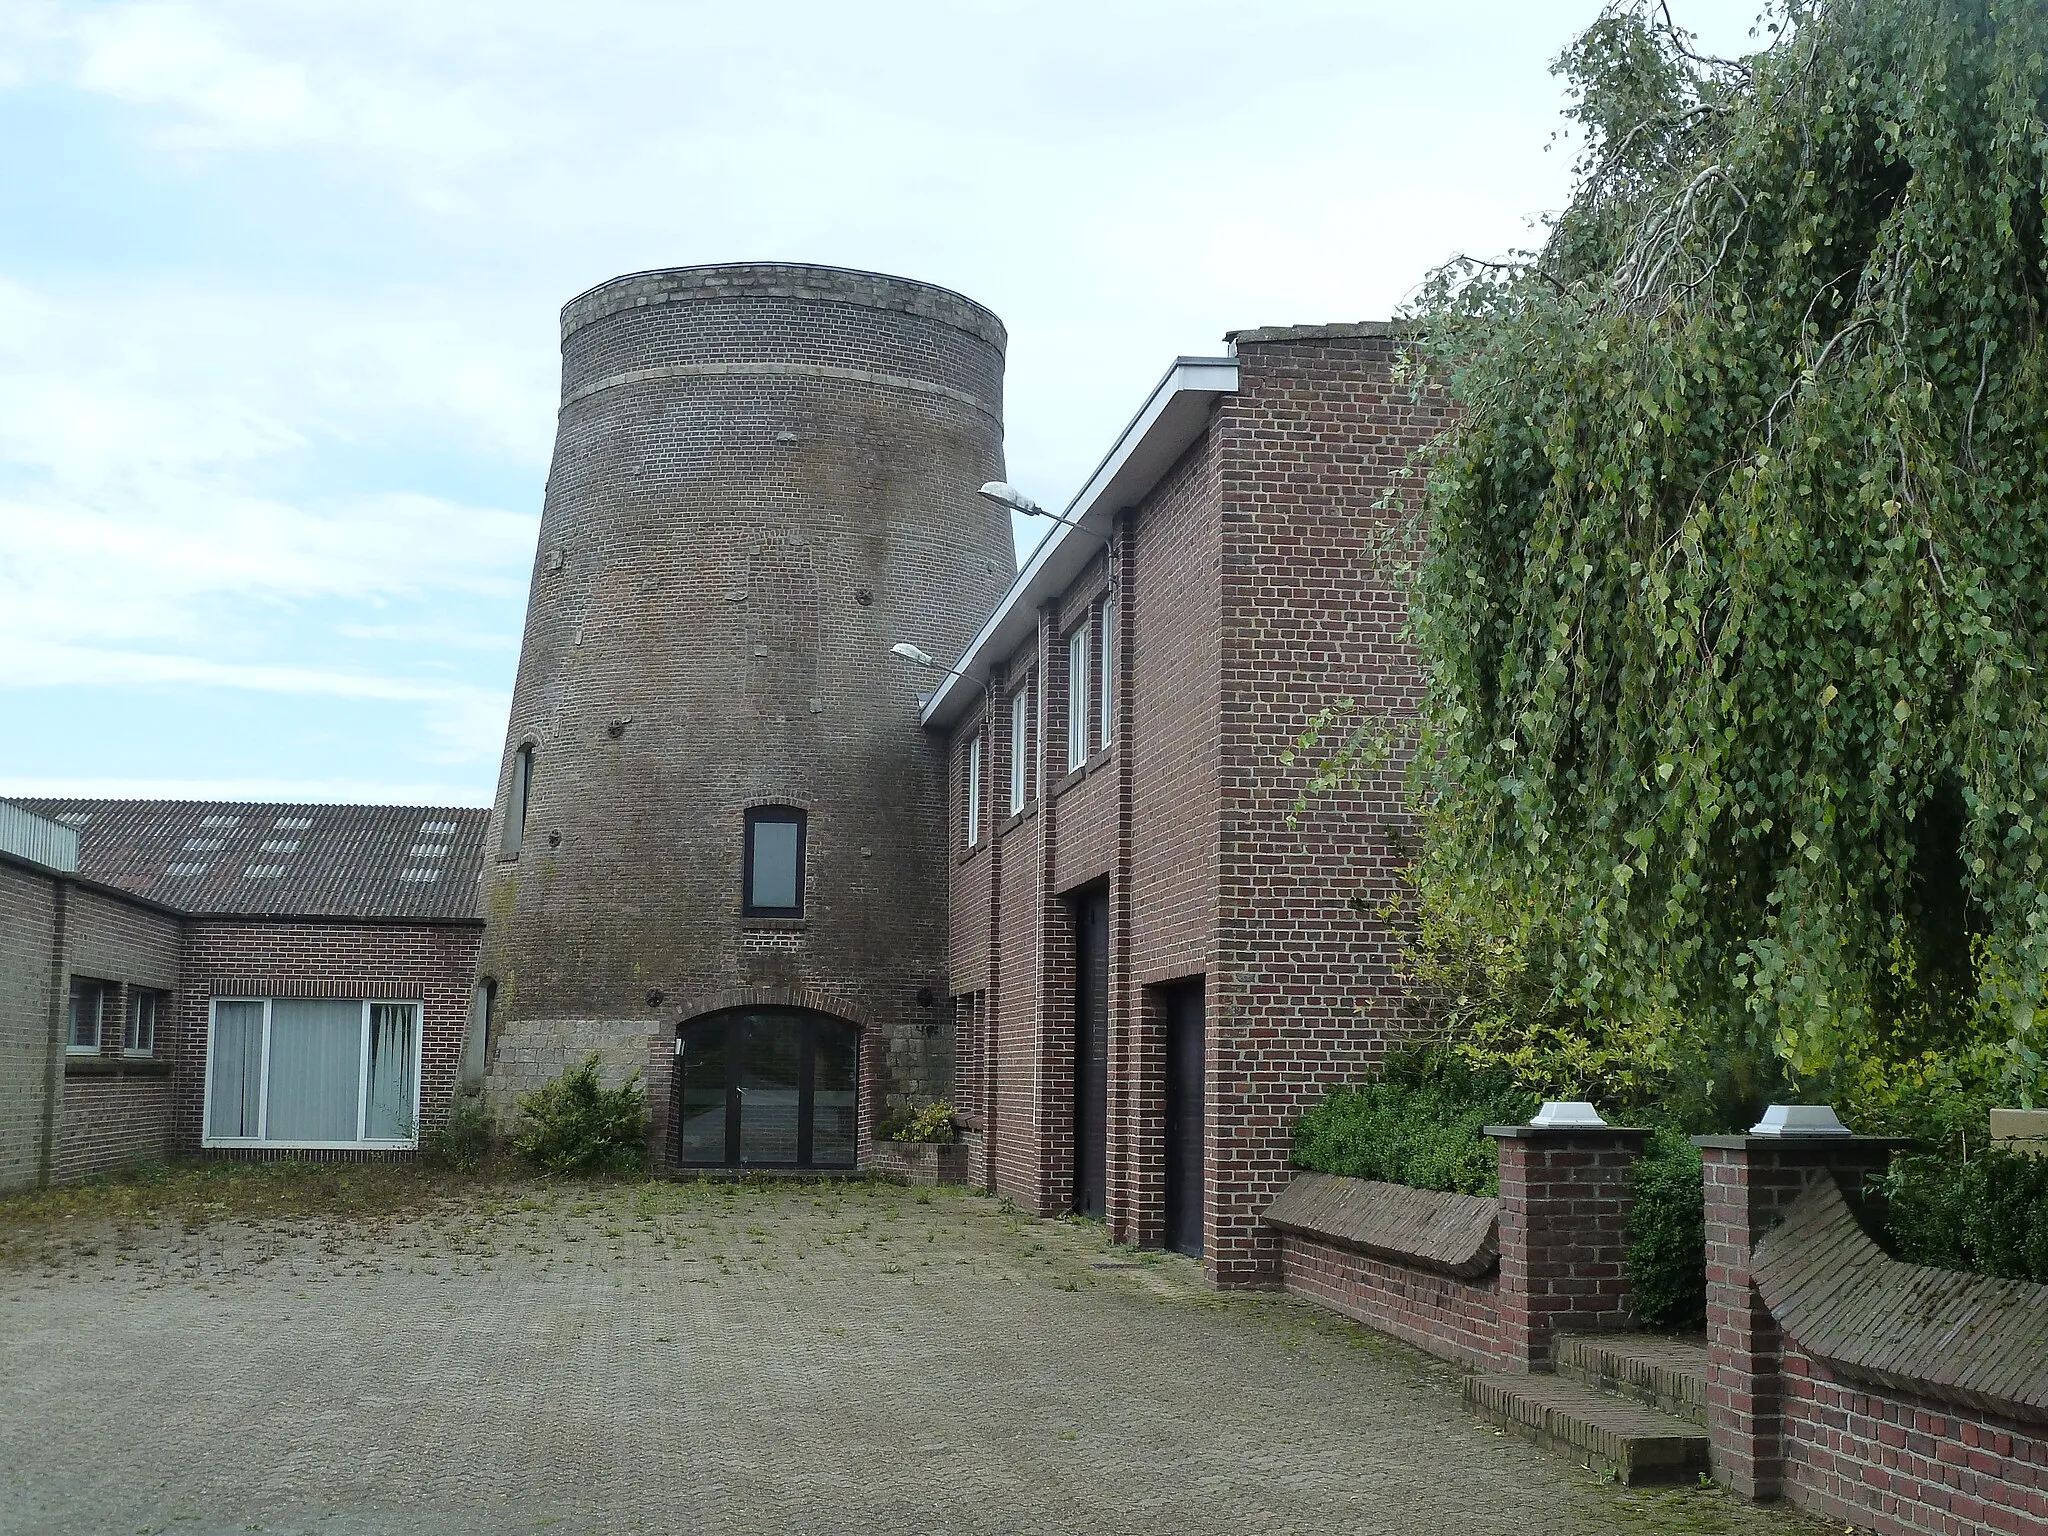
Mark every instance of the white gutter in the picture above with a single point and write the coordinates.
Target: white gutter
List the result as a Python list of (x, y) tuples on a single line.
[(1176, 413)]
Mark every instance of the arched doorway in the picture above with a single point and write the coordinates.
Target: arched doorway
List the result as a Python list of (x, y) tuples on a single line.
[(767, 1088)]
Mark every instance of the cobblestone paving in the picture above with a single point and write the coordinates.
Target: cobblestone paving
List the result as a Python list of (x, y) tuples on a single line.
[(711, 1359)]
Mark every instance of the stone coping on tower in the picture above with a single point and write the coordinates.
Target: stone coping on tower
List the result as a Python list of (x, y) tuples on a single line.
[(783, 280)]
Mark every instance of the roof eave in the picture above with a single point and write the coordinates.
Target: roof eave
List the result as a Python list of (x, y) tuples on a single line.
[(1173, 416)]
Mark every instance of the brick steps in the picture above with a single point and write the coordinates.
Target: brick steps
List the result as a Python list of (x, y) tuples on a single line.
[(1636, 1443), (1665, 1373)]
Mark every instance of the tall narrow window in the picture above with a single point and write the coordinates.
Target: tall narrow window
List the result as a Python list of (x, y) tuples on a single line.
[(974, 790), (1106, 691), (1077, 697), (774, 862), (515, 803), (1020, 748), (88, 1005), (139, 1037)]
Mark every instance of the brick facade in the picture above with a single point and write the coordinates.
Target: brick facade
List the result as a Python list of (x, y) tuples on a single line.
[(67, 1114), (1245, 596), (764, 477)]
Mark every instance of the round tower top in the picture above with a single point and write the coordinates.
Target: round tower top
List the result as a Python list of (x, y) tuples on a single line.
[(782, 280)]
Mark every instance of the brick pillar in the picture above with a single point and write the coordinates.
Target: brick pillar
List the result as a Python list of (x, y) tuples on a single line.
[(1565, 1193), (1750, 1180)]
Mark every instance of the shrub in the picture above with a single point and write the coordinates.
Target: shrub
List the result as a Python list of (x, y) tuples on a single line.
[(1418, 1123), (1988, 1215), (931, 1122), (1667, 1235), (573, 1125), (464, 1140)]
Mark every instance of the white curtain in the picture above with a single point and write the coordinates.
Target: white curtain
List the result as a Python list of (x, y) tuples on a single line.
[(316, 1062), (235, 1069), (394, 1067)]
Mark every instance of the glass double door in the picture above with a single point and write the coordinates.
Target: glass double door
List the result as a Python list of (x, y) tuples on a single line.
[(767, 1088)]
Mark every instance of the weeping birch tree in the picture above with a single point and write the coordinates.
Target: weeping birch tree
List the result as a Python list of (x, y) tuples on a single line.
[(1735, 590)]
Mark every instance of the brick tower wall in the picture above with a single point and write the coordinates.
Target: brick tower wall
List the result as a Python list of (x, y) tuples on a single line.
[(764, 477)]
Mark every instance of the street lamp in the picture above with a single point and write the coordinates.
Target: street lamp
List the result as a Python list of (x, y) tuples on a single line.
[(1007, 496)]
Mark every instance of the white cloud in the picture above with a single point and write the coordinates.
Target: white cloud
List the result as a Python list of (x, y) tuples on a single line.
[(277, 346)]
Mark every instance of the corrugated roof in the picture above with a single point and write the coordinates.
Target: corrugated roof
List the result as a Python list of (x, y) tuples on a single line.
[(226, 857)]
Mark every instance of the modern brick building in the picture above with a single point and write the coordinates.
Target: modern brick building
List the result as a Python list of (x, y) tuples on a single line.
[(1154, 971), (253, 980), (718, 849)]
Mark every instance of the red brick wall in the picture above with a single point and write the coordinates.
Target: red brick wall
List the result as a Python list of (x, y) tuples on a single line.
[(1245, 602), (1306, 993), (1451, 1318), (1903, 1465), (435, 963), (1565, 1198)]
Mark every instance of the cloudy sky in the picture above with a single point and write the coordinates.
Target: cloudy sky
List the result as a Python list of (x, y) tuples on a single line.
[(279, 279)]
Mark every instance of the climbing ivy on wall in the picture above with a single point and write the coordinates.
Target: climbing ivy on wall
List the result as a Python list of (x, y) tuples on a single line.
[(1735, 593)]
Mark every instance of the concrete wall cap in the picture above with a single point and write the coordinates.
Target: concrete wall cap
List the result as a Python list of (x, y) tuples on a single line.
[(1566, 1132)]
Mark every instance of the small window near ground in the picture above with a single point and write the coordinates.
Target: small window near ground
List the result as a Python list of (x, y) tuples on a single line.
[(87, 1010), (514, 835), (1077, 697), (144, 1009), (312, 1072), (1020, 748), (774, 862), (974, 791)]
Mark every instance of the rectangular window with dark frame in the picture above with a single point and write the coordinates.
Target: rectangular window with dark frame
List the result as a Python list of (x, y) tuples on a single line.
[(87, 1010), (138, 1038), (774, 876)]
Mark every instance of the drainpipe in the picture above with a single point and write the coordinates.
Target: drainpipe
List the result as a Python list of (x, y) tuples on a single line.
[(53, 1058)]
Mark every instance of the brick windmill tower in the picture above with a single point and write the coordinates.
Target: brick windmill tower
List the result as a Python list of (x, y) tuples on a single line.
[(719, 844)]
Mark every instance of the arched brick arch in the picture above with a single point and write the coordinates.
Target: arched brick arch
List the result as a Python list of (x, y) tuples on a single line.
[(814, 998), (661, 1052)]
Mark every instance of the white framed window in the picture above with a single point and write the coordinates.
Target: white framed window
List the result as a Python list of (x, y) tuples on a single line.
[(974, 790), (1105, 693), (1020, 748), (138, 1036), (312, 1072), (1077, 696), (87, 1012)]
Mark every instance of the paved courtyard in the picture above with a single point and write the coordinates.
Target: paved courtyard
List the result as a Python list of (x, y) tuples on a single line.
[(703, 1358)]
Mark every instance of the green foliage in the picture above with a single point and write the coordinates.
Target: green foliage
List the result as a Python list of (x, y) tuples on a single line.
[(1988, 1215), (574, 1125), (1418, 1123), (1667, 1235), (931, 1122), (1732, 598), (463, 1141)]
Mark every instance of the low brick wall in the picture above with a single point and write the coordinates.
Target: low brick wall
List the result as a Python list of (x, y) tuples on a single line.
[(920, 1162), (1455, 1319), (1902, 1463)]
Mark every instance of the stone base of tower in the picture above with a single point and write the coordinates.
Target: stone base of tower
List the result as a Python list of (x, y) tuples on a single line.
[(527, 1054)]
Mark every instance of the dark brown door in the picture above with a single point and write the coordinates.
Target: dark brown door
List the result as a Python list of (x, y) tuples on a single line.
[(1091, 1054), (1185, 1097)]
